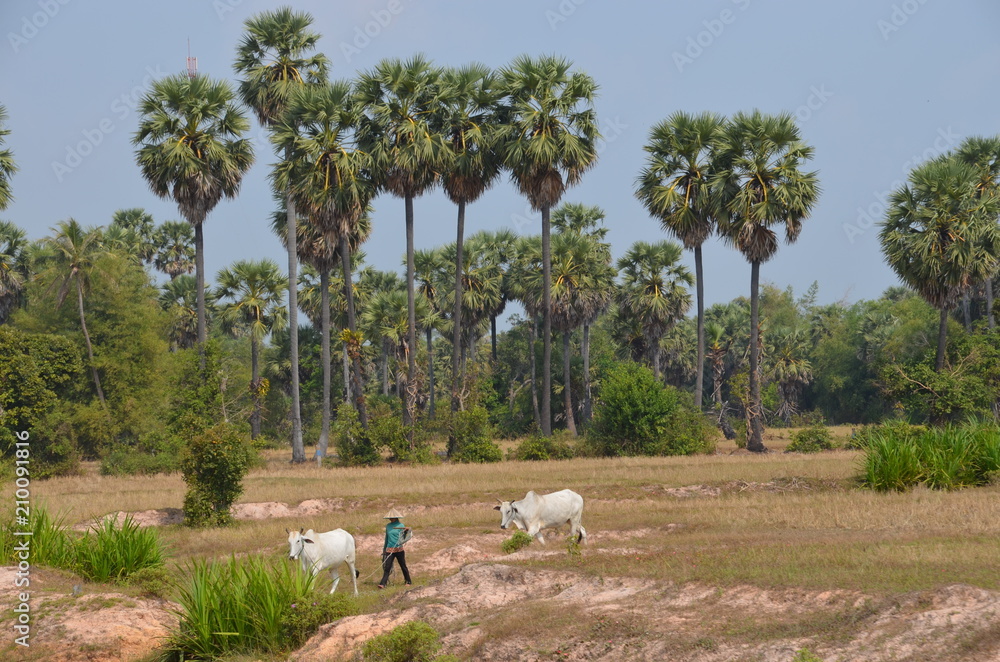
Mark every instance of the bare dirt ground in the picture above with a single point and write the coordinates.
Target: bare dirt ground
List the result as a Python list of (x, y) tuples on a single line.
[(490, 610)]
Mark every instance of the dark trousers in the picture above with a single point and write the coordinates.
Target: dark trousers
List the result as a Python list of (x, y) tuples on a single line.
[(387, 566)]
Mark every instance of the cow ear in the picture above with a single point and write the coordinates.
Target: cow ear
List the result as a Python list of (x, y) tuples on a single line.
[(496, 507), (307, 540)]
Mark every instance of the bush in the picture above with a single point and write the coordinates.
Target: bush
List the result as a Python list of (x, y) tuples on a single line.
[(153, 581), (637, 415), (214, 465), (415, 641), (473, 437), (811, 440), (157, 453), (51, 544), (537, 447), (386, 430), (261, 606), (519, 540), (109, 553), (354, 448)]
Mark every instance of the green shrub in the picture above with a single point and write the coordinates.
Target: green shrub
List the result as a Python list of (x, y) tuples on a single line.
[(519, 540), (111, 553), (806, 655), (637, 415), (303, 619), (415, 641), (51, 544), (811, 440), (537, 447), (214, 465), (245, 606), (157, 453), (354, 448), (473, 437), (153, 581), (891, 463)]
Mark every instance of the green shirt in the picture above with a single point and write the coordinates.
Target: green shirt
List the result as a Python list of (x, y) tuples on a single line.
[(393, 534)]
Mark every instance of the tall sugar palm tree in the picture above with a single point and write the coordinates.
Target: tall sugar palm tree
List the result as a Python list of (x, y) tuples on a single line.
[(136, 229), (14, 268), (470, 121), (274, 60), (73, 256), (402, 102), (428, 267), (180, 299), (191, 149), (329, 172), (174, 242), (654, 291), (676, 187), (940, 236), (253, 294), (984, 155), (549, 142), (7, 165), (762, 185)]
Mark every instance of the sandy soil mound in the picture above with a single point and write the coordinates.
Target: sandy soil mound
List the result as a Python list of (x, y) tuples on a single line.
[(244, 511)]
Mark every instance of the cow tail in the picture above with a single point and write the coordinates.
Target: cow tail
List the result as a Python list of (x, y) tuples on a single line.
[(579, 537)]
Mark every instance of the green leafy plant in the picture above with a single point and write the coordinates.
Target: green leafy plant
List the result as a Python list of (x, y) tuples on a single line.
[(51, 544), (354, 447), (537, 447), (415, 641), (473, 437), (811, 440), (303, 618), (154, 581), (518, 541), (111, 553), (214, 465)]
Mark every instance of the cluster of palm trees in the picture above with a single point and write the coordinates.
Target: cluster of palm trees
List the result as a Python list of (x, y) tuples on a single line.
[(402, 128), (742, 178)]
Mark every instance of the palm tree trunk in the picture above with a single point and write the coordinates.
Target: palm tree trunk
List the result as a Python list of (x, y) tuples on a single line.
[(255, 382), (546, 325), (656, 359), (347, 374), (699, 379), (430, 371), (90, 348), (587, 406), (755, 440), (199, 279), (358, 395), (493, 337), (384, 362), (298, 450), (567, 390), (989, 303), (456, 335), (942, 340), (411, 332), (534, 372), (967, 312), (324, 434)]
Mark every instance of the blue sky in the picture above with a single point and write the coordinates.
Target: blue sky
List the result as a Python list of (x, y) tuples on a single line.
[(877, 86)]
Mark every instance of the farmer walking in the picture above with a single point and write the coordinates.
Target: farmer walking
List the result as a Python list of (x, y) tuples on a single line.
[(396, 535)]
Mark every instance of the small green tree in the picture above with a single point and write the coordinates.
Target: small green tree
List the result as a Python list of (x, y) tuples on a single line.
[(473, 436), (214, 465)]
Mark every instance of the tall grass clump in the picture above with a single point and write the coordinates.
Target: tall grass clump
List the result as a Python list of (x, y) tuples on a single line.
[(951, 457), (113, 553), (247, 605), (49, 542)]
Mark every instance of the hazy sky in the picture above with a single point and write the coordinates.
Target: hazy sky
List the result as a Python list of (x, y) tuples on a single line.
[(877, 85)]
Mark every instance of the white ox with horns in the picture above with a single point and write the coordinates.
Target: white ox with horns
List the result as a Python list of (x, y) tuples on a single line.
[(534, 513), (318, 551)]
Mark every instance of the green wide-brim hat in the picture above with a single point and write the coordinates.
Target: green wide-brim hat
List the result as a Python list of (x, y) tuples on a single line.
[(393, 514)]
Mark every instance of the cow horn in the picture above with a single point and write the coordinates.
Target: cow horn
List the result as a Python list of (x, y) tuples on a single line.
[(287, 531), (302, 530)]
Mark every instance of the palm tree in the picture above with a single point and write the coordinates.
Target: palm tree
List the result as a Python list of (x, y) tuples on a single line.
[(676, 188), (762, 185), (402, 102), (273, 63), (174, 242), (7, 165), (500, 248), (328, 171), (190, 149), (654, 291), (984, 155), (940, 236), (428, 267), (73, 255), (132, 230), (14, 268), (254, 289), (549, 143), (588, 220), (470, 121), (790, 368), (179, 297), (717, 344)]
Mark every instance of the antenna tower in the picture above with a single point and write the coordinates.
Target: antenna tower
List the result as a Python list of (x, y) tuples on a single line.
[(192, 62)]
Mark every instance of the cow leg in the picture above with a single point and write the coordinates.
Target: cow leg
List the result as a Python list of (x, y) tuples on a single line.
[(336, 579), (538, 534), (354, 575)]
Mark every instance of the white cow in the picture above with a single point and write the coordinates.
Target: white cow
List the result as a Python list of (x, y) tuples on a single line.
[(534, 513), (318, 551)]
